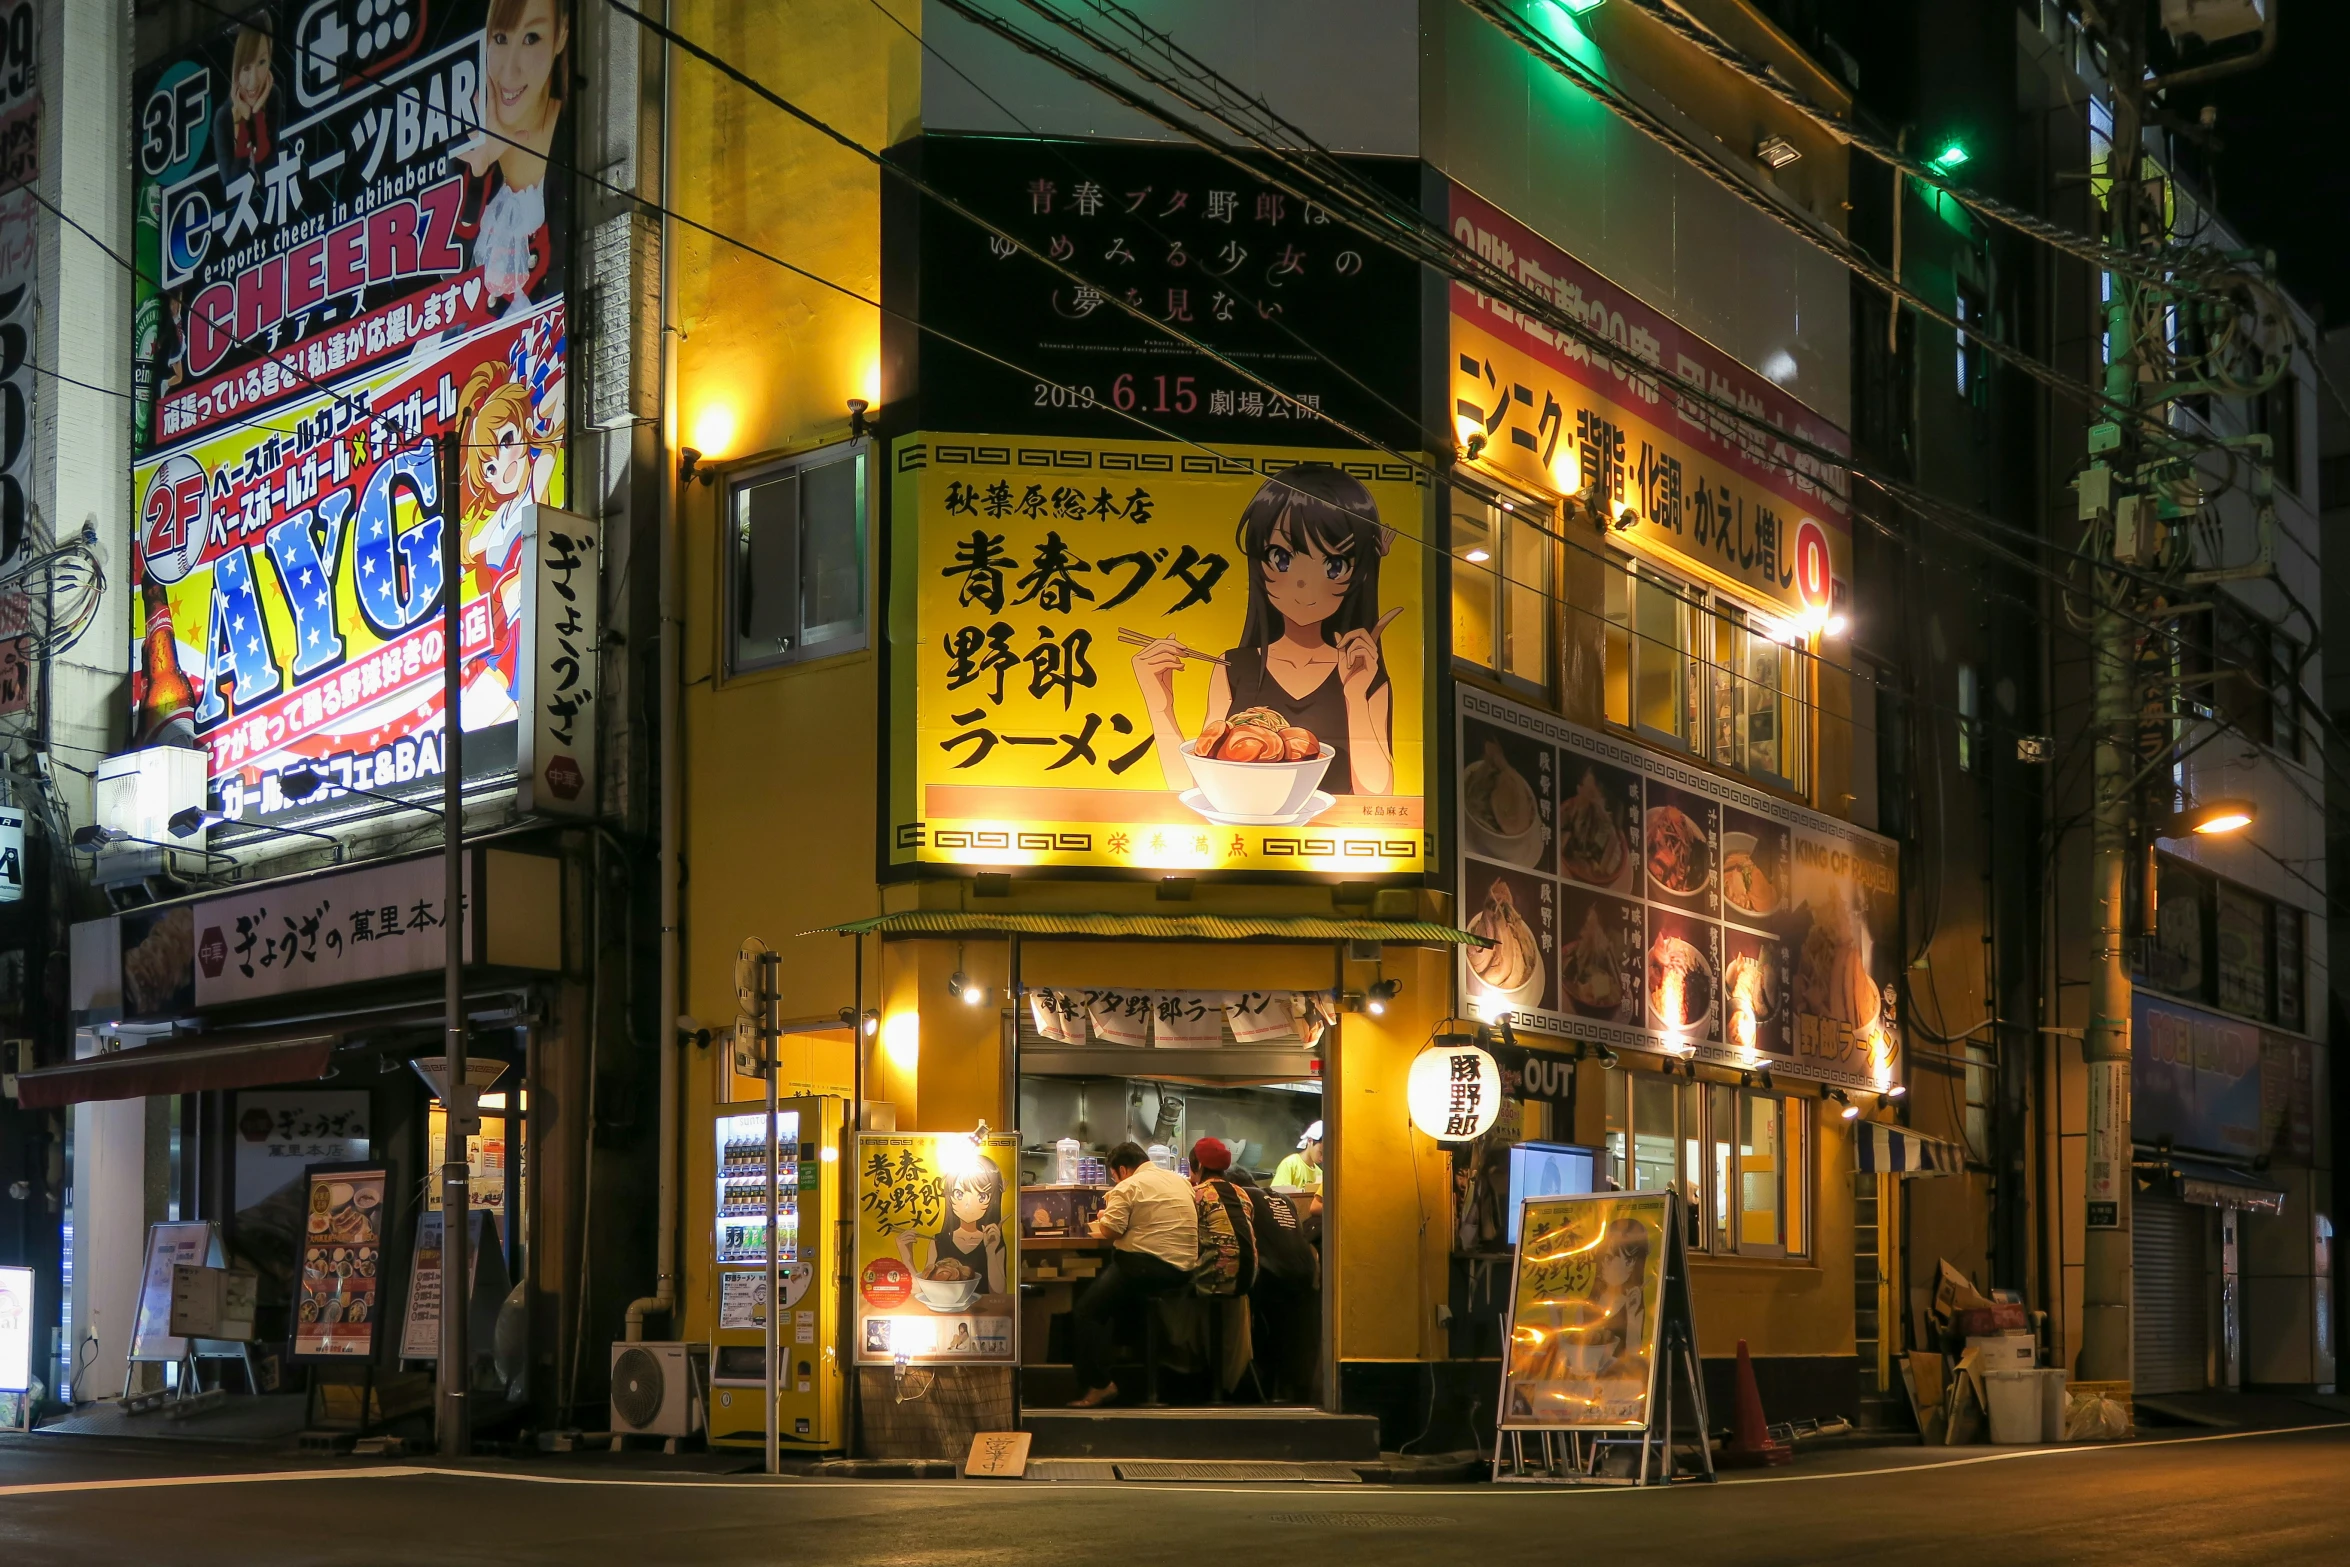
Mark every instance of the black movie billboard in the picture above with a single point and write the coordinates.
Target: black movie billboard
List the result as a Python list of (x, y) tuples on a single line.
[(1073, 313)]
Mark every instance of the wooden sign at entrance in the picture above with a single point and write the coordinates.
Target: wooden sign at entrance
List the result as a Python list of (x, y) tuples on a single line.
[(997, 1455)]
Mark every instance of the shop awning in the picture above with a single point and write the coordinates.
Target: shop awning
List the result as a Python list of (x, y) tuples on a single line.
[(1158, 927), (2212, 1185), (1878, 1149), (178, 1066)]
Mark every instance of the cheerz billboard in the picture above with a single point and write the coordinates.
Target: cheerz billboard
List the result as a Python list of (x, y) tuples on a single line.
[(335, 184), (351, 222)]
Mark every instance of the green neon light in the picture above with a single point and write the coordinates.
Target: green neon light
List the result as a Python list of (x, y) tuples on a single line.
[(1581, 6), (1951, 157)]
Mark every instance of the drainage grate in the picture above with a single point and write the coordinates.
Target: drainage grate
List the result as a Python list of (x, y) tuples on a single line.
[(1365, 1520), (1164, 1469)]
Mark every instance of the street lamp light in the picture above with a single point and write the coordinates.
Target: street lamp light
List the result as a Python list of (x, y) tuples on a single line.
[(2210, 819)]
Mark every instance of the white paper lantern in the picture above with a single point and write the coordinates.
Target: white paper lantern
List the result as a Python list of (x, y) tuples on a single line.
[(1454, 1091)]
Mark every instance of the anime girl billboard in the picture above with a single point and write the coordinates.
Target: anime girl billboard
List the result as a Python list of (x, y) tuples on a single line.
[(1136, 655)]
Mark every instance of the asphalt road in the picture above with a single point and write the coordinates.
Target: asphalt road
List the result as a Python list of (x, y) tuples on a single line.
[(2184, 1502)]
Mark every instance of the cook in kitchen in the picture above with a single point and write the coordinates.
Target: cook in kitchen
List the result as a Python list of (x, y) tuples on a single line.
[(1309, 652)]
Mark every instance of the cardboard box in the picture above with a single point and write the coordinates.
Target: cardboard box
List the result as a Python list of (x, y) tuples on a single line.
[(2005, 1352)]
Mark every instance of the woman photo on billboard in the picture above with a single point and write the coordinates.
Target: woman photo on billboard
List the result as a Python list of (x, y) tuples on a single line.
[(1309, 648), (517, 239)]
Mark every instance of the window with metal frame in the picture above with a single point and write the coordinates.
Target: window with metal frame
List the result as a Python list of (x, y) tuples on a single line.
[(795, 560), (1504, 585), (1702, 673), (1739, 1156)]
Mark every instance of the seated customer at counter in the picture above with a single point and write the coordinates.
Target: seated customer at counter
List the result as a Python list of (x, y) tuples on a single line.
[(1150, 1218)]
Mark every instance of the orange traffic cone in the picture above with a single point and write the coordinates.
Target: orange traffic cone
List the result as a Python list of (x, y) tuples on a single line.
[(1750, 1446)]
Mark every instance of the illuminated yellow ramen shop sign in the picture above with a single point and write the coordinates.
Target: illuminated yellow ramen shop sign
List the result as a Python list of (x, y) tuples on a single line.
[(1141, 655)]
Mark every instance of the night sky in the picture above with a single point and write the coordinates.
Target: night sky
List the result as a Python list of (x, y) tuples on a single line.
[(2283, 177)]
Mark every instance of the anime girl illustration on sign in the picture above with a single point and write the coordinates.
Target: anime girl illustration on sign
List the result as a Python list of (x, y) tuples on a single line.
[(520, 217), (1584, 1319), (1304, 700), (511, 441)]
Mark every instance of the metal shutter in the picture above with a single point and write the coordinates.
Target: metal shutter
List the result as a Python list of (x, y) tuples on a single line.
[(2173, 1314)]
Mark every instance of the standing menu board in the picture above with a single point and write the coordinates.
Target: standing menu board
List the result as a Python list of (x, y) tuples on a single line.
[(938, 1262), (420, 1336), (169, 1245), (1633, 899), (338, 1295), (1586, 1312)]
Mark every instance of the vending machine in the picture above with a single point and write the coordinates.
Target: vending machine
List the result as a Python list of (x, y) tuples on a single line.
[(808, 1185)]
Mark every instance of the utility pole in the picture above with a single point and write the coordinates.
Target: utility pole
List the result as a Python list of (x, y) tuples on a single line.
[(2108, 1278), (457, 1099)]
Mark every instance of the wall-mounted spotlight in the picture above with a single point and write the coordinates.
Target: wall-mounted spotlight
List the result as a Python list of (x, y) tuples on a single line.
[(1376, 998), (689, 467), (858, 428), (193, 820), (1851, 1111), (966, 989)]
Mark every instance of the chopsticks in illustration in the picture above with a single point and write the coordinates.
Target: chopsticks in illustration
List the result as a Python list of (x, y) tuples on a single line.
[(1134, 638)]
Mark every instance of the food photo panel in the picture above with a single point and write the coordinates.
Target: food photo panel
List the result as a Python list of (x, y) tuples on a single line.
[(1681, 848), (1683, 977), (1756, 865), (1599, 824), (1516, 911), (1601, 940), (1508, 787), (1755, 996)]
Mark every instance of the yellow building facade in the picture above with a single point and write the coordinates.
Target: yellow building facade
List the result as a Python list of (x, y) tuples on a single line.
[(816, 774)]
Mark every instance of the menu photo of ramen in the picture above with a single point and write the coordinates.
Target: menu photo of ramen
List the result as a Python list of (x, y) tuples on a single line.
[(1683, 977), (1517, 915), (1600, 956), (1680, 848), (1506, 792), (1757, 1015), (1757, 867), (1599, 824)]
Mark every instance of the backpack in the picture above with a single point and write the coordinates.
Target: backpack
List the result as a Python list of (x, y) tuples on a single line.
[(1227, 1242)]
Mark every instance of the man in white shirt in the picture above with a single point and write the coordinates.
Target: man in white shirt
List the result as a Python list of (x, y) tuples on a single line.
[(1153, 1223)]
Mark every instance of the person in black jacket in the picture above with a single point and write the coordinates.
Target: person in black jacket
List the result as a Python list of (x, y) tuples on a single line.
[(1284, 1296)]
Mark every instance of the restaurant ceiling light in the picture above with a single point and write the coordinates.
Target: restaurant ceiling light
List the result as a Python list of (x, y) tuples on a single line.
[(1478, 557), (1777, 152)]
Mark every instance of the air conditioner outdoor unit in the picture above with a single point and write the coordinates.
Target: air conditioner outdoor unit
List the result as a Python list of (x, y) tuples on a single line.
[(656, 1389), (2213, 20)]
